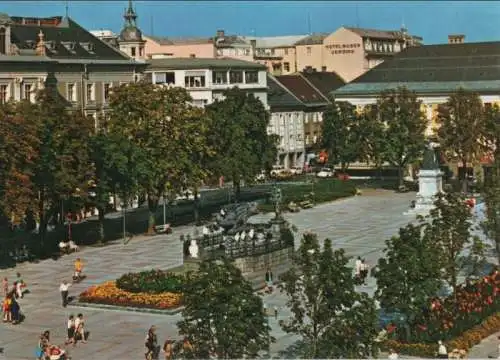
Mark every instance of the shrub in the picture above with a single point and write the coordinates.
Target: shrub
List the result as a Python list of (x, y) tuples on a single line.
[(153, 282)]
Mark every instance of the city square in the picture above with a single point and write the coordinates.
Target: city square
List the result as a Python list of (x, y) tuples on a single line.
[(249, 180), (360, 225)]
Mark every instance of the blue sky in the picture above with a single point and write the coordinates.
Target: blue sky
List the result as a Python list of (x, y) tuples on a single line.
[(433, 20)]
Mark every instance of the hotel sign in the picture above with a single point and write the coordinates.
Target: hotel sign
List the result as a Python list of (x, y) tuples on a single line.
[(336, 49)]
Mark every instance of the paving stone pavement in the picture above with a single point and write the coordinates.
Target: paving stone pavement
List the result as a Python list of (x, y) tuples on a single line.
[(360, 225)]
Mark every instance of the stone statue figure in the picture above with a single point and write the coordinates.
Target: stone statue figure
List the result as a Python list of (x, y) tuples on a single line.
[(430, 158), (193, 249)]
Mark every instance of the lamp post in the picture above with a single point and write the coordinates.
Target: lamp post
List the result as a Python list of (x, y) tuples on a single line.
[(276, 197), (124, 204), (266, 314)]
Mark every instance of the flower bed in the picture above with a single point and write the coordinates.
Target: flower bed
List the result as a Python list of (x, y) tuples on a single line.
[(463, 342), (109, 294), (461, 320)]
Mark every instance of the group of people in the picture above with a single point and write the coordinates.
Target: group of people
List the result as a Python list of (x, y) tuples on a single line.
[(76, 330), (10, 306), (46, 350), (153, 349), (361, 270)]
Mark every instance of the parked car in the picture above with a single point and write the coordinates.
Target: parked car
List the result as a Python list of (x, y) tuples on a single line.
[(326, 172), (261, 177), (187, 195), (297, 170), (277, 169)]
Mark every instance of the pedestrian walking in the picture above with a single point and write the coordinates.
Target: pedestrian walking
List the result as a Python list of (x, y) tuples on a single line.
[(70, 329), (5, 286), (364, 271), (64, 288)]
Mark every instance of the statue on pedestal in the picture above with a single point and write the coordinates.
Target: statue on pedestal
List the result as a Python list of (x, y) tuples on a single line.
[(430, 158), (193, 249)]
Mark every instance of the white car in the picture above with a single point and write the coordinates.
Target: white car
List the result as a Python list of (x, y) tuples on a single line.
[(326, 172), (277, 170), (186, 195), (297, 170), (261, 176)]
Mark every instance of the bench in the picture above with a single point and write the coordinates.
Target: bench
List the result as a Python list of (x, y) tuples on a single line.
[(163, 229), (306, 204)]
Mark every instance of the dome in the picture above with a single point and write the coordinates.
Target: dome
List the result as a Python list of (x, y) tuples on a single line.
[(130, 33)]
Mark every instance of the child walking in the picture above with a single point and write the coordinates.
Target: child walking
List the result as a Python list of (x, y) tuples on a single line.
[(70, 330)]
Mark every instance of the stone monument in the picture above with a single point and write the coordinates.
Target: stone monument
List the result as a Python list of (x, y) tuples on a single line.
[(430, 182)]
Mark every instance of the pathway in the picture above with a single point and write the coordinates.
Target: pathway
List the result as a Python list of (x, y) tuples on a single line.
[(360, 225)]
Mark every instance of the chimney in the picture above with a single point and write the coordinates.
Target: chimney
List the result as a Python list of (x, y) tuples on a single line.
[(456, 39), (40, 45), (220, 33)]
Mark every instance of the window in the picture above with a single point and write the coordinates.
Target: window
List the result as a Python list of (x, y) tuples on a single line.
[(165, 77), (286, 51), (27, 92), (3, 93), (141, 51), (194, 81), (286, 66), (323, 68), (219, 77), (251, 77), (309, 50), (71, 92), (235, 77), (106, 92), (192, 55), (3, 41), (90, 92), (132, 51)]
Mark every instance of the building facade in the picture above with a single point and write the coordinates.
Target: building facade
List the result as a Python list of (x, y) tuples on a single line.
[(207, 79), (56, 51), (434, 72), (179, 48), (350, 52), (287, 121)]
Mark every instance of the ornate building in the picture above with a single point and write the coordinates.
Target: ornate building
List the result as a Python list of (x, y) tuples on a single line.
[(130, 40)]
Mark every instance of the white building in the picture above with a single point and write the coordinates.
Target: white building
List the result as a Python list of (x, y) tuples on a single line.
[(207, 79), (287, 121)]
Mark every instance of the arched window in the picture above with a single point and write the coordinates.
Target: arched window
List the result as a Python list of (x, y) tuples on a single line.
[(3, 41)]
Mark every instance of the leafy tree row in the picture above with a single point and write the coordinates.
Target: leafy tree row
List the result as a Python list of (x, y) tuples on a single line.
[(152, 141), (394, 130)]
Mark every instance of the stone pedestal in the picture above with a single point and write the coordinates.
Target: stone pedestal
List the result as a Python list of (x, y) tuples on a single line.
[(430, 183)]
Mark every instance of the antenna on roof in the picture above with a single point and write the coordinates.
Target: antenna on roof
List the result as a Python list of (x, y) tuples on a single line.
[(67, 8), (309, 23), (357, 15)]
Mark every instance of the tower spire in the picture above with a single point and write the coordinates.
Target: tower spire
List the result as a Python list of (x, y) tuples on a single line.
[(130, 15)]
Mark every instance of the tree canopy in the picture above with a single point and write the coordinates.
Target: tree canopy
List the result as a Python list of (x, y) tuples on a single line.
[(404, 127), (341, 134), (163, 123), (462, 126), (238, 135), (222, 315), (333, 319)]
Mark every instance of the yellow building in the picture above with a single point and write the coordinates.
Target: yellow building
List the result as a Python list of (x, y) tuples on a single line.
[(433, 72)]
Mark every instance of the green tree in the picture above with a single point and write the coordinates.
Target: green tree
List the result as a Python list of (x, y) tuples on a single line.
[(63, 168), (491, 192), (408, 276), (118, 165), (341, 134), (160, 121), (462, 127), (399, 110), (239, 137), (371, 137), (222, 314), (449, 227), (333, 320), (19, 142)]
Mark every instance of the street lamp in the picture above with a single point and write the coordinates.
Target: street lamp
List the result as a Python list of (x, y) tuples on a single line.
[(124, 204), (266, 314)]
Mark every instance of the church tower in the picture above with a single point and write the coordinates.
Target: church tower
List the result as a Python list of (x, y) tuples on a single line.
[(130, 39)]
